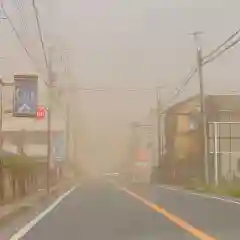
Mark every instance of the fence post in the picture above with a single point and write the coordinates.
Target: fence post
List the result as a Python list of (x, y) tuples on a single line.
[(230, 151), (215, 125)]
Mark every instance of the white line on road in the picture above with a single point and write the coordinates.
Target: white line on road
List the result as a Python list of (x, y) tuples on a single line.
[(22, 232), (226, 200)]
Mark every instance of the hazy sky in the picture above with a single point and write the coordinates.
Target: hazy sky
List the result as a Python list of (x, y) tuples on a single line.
[(120, 44), (126, 44), (144, 43)]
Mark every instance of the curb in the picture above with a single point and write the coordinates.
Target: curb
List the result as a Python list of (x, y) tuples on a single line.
[(14, 213), (27, 203), (203, 192)]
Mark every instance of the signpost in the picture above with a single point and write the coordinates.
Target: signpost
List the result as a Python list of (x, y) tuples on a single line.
[(142, 166), (143, 158), (25, 95), (58, 146)]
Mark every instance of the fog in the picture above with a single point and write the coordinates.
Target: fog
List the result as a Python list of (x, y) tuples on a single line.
[(117, 45)]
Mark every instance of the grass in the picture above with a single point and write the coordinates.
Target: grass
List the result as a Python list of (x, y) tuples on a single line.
[(224, 189)]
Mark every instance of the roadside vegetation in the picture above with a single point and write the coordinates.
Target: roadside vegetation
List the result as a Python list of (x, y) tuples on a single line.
[(18, 175), (223, 189)]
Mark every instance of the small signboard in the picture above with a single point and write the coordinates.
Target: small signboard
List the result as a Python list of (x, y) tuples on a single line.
[(58, 146), (40, 113), (142, 166), (25, 95), (143, 155)]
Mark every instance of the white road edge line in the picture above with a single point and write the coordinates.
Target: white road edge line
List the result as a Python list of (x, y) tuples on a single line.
[(22, 232), (226, 200)]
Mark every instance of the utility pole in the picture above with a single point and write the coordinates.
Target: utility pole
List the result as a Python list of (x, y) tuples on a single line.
[(49, 119), (1, 113), (67, 130), (1, 136), (67, 105), (203, 108), (159, 130), (134, 149), (48, 146)]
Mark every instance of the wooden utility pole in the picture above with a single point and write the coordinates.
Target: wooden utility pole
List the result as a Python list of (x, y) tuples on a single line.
[(49, 119), (203, 108), (159, 124)]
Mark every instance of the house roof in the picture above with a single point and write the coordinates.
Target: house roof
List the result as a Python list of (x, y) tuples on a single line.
[(225, 102), (229, 102), (178, 104)]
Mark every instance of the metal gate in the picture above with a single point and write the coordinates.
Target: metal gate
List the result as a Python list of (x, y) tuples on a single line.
[(224, 151)]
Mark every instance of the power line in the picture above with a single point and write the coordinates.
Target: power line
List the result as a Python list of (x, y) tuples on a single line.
[(19, 39), (221, 45), (17, 34), (221, 52), (192, 72), (205, 61), (19, 6), (115, 89), (185, 83), (40, 34)]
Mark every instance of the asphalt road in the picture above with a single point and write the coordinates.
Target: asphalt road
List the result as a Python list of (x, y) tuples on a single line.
[(103, 211)]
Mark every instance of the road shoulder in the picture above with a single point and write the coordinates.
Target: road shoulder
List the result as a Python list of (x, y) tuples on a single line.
[(16, 215)]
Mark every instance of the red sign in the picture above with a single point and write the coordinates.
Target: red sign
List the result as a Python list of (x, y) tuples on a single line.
[(40, 113), (142, 166), (143, 155)]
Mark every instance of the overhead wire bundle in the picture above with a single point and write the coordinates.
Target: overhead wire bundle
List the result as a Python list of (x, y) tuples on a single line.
[(218, 51), (27, 35), (19, 10), (40, 34), (19, 6), (17, 34), (213, 55), (229, 43)]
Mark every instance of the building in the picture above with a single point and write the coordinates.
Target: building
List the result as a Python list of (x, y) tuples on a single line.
[(142, 148), (184, 153), (184, 145)]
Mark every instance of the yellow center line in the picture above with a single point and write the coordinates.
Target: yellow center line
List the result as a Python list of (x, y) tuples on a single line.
[(178, 221)]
